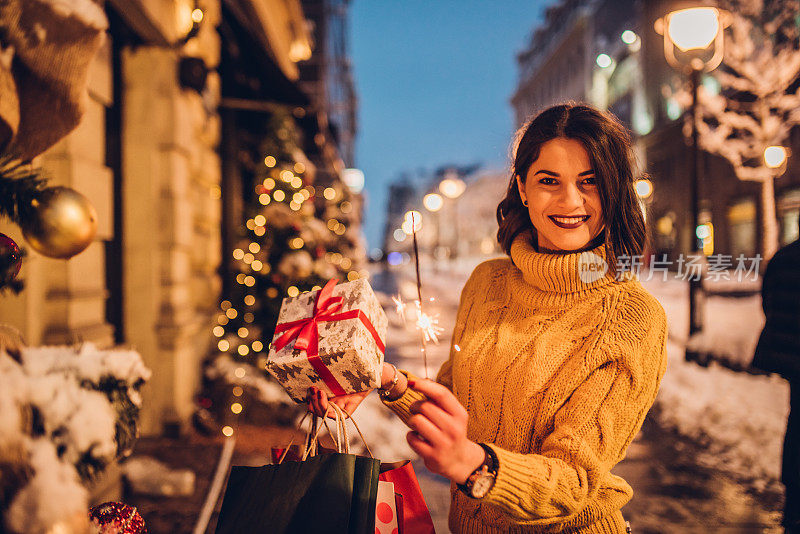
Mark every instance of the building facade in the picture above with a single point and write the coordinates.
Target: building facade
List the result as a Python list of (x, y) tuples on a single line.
[(614, 59)]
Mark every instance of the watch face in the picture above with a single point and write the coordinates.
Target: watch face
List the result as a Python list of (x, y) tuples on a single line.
[(482, 485)]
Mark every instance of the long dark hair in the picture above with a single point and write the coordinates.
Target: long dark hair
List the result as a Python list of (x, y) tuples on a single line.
[(608, 143)]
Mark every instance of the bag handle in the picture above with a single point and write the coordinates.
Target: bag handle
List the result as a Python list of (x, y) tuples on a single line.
[(312, 436)]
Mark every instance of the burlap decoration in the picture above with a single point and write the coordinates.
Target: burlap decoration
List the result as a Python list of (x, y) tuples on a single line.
[(46, 47)]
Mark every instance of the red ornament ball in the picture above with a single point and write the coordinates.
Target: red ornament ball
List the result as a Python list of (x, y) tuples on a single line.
[(117, 518), (9, 251)]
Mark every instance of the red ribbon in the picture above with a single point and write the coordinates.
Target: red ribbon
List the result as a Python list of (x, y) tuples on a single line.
[(305, 332)]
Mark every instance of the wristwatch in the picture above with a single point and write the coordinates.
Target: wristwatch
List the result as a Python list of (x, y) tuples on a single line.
[(482, 479)]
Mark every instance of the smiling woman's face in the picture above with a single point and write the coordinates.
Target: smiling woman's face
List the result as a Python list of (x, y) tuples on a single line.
[(563, 196)]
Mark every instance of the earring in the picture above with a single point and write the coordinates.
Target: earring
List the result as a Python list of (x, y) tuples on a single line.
[(525, 203)]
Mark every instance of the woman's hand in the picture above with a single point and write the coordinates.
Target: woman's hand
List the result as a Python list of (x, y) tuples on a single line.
[(318, 399), (318, 402), (439, 434)]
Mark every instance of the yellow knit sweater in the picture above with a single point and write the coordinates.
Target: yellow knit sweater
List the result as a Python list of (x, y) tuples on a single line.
[(557, 369)]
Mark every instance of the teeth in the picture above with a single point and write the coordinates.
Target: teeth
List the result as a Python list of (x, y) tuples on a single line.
[(570, 220)]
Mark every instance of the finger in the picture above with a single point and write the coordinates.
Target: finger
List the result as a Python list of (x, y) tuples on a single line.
[(419, 445), (425, 428), (446, 422), (440, 395)]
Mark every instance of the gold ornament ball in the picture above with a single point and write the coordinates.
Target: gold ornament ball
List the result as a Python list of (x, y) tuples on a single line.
[(61, 223)]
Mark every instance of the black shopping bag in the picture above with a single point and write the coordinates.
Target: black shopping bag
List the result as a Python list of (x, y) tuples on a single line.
[(332, 493)]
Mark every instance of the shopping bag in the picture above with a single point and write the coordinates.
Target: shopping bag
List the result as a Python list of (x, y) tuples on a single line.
[(386, 521), (414, 512), (331, 493)]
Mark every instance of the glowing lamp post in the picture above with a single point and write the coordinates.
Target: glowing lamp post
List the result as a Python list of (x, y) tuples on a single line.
[(693, 43), (775, 157), (453, 187)]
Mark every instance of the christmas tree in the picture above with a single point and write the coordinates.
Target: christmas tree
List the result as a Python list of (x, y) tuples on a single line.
[(295, 238)]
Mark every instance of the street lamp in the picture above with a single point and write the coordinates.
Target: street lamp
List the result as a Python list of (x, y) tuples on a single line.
[(775, 157), (453, 187), (689, 34), (433, 202)]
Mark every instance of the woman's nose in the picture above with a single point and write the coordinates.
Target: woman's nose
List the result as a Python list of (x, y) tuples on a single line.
[(571, 198)]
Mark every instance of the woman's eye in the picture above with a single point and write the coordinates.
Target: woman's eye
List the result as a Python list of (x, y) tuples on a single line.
[(590, 181), (547, 181)]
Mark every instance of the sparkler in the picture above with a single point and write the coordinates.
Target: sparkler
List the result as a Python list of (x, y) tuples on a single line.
[(429, 326), (400, 307)]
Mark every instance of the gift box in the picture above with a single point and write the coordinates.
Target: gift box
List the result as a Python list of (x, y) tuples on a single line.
[(333, 338)]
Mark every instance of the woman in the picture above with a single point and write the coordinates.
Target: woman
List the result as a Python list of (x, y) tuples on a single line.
[(555, 360)]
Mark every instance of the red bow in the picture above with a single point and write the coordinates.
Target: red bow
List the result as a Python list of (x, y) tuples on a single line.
[(305, 332)]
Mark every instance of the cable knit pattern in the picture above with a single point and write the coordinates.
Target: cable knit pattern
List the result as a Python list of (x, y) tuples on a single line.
[(557, 375)]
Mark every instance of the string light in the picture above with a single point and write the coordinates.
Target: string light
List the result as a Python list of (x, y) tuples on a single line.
[(299, 168), (231, 313), (346, 207), (223, 345), (264, 199), (260, 220), (329, 193), (219, 331), (272, 292), (239, 372), (249, 281), (260, 231), (243, 350), (346, 263), (269, 183), (248, 317), (249, 300), (297, 182), (294, 205), (306, 194), (225, 304), (292, 291), (297, 243), (238, 254), (270, 161), (243, 332), (227, 431), (236, 408), (352, 275), (240, 278), (332, 223), (250, 224), (257, 346), (287, 175), (279, 195), (257, 265), (248, 258), (237, 391), (255, 247), (222, 319)]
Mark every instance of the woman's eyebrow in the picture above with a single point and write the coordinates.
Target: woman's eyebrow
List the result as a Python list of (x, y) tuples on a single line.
[(551, 173)]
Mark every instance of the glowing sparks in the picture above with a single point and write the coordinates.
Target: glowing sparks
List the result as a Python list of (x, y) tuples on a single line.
[(400, 307), (429, 325)]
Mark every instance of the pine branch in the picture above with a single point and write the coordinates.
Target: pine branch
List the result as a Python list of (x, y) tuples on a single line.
[(19, 185)]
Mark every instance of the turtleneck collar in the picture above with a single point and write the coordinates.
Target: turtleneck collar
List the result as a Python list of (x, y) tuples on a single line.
[(561, 272)]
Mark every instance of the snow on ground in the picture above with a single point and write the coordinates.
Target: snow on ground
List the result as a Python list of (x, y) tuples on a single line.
[(740, 417)]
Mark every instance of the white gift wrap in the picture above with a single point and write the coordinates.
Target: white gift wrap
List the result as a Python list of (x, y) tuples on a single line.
[(346, 347)]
